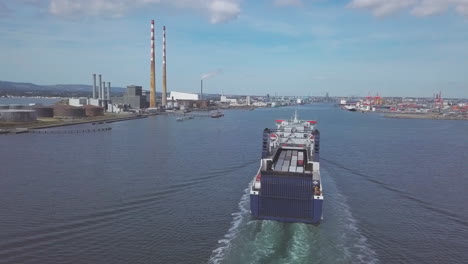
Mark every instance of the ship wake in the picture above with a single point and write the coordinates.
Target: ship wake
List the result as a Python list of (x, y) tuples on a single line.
[(336, 240)]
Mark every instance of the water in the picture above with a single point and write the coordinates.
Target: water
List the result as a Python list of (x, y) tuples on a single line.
[(28, 100), (160, 191)]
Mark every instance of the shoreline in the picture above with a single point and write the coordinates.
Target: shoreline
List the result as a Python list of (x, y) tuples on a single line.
[(26, 127), (424, 116)]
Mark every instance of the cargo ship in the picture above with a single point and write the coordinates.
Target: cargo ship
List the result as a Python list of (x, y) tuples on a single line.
[(287, 186)]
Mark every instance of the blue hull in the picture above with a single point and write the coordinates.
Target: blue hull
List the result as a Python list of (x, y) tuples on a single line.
[(286, 210)]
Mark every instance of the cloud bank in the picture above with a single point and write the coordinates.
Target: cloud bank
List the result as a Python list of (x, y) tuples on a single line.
[(380, 8), (218, 11)]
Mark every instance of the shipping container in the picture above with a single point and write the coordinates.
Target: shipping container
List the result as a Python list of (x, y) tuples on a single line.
[(286, 196)]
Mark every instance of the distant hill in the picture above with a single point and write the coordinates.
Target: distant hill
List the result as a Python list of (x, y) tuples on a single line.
[(65, 90), (61, 90)]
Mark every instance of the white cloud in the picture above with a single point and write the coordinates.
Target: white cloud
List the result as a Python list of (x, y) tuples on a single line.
[(417, 7), (218, 11), (288, 3), (222, 10)]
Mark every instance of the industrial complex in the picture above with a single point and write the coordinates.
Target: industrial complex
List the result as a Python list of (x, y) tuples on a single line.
[(102, 103)]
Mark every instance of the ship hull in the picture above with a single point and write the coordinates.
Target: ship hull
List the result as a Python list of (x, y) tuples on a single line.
[(287, 186), (287, 197), (281, 214)]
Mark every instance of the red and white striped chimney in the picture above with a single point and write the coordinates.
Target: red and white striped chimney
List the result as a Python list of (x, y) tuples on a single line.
[(164, 74), (153, 74)]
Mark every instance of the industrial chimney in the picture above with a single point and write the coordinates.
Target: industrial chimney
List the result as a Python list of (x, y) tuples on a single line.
[(153, 74), (164, 77), (94, 86), (201, 89), (100, 87), (103, 90), (108, 91)]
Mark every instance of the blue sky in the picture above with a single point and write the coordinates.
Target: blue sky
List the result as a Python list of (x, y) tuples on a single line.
[(284, 47)]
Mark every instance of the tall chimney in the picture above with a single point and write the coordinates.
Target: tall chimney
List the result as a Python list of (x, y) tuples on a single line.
[(103, 90), (94, 86), (100, 86), (201, 89), (153, 74), (164, 80), (108, 91)]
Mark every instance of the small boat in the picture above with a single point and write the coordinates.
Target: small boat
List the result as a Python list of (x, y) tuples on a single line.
[(184, 118), (217, 114)]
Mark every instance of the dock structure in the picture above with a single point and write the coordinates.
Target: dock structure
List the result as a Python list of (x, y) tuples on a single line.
[(68, 131), (188, 115)]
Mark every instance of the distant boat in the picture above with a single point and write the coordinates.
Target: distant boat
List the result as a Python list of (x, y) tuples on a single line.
[(217, 114), (184, 118), (351, 108)]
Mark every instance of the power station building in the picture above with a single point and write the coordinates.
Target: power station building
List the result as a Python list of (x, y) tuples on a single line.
[(134, 98), (183, 96)]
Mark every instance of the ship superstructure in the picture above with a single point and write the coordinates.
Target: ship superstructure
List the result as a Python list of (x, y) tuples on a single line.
[(288, 185)]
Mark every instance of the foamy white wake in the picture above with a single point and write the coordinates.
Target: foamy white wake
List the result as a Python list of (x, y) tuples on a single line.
[(337, 240), (238, 218)]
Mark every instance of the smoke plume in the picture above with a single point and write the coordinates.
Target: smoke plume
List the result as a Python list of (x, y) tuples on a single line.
[(211, 74)]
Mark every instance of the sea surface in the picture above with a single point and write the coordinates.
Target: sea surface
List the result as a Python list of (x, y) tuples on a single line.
[(28, 100), (160, 191)]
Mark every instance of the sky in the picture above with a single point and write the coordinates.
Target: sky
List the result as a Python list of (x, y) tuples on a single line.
[(255, 47)]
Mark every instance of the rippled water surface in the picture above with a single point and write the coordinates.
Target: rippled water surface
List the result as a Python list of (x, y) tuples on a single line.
[(160, 191)]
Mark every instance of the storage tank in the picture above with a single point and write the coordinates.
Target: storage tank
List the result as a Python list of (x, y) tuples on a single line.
[(67, 111), (17, 115), (4, 107), (92, 110), (44, 111), (17, 106)]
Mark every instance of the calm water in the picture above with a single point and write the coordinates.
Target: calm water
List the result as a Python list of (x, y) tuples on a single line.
[(160, 191), (28, 100)]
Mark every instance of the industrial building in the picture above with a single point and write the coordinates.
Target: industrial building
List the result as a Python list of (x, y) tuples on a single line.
[(232, 101), (186, 100), (78, 101), (17, 115), (67, 111), (135, 98), (92, 110), (44, 111), (183, 96)]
